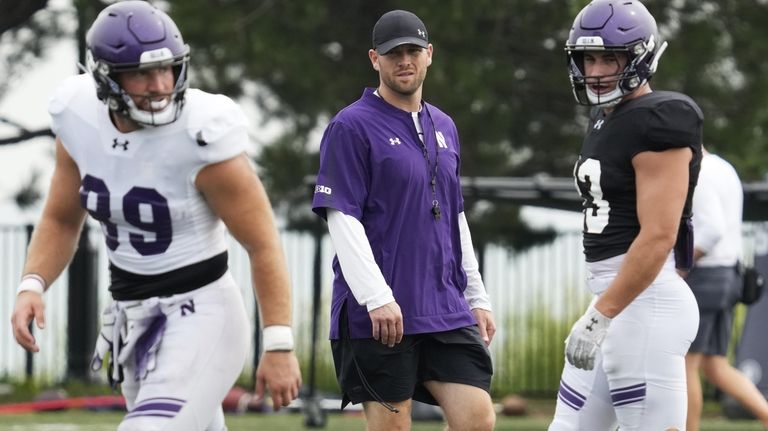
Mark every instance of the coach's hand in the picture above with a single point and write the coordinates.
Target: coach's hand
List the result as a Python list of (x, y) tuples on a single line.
[(387, 322), (485, 324), (29, 305), (279, 373), (586, 336)]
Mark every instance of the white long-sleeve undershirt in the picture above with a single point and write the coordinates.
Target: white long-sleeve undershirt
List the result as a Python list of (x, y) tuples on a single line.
[(364, 276)]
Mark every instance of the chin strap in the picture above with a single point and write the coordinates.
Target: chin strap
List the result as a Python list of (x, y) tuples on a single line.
[(613, 98), (149, 118)]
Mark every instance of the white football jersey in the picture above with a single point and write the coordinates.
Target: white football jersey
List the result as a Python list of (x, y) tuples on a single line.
[(140, 185)]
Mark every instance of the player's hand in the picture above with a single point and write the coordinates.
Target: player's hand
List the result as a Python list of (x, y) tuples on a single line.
[(586, 336), (29, 305), (279, 373), (387, 322), (485, 324)]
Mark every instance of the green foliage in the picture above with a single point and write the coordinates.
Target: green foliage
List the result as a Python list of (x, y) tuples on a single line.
[(498, 70), (713, 57), (30, 390), (494, 69), (534, 357), (18, 391)]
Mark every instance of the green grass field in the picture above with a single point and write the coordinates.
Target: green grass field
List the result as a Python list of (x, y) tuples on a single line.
[(74, 420)]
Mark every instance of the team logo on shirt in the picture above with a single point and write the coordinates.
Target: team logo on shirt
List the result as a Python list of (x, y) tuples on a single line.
[(441, 140), (116, 144), (394, 141), (323, 189), (598, 124)]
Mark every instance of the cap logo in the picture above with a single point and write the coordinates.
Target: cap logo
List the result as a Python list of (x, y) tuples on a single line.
[(398, 27)]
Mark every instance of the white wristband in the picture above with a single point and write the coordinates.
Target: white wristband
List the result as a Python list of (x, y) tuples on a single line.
[(277, 337), (31, 283)]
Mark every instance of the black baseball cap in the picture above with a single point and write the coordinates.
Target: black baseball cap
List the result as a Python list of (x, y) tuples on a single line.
[(398, 27)]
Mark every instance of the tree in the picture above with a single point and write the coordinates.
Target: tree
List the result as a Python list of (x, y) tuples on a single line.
[(714, 57), (304, 60), (26, 28), (499, 69), (15, 13)]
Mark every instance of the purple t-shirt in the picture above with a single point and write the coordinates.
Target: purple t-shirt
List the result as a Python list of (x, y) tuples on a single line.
[(372, 167)]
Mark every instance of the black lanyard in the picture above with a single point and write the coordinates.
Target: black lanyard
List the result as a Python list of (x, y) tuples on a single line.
[(430, 171)]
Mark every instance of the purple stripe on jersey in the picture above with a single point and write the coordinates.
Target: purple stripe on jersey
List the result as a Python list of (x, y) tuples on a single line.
[(571, 397), (627, 395), (568, 403), (157, 406), (626, 388)]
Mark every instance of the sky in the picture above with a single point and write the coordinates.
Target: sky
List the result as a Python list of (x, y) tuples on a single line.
[(26, 104)]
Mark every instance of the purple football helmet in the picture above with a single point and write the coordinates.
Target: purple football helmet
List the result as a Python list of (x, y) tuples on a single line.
[(134, 35), (623, 26)]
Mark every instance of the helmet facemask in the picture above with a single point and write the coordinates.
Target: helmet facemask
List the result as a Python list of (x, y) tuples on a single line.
[(621, 26), (642, 62), (122, 103), (131, 36)]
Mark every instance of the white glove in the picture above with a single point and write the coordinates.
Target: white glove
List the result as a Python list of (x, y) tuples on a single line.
[(109, 341), (585, 338), (106, 338)]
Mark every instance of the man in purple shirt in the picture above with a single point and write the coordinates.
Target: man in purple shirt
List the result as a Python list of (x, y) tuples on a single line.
[(410, 318)]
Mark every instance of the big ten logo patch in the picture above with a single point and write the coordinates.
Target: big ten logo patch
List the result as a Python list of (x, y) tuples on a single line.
[(323, 189)]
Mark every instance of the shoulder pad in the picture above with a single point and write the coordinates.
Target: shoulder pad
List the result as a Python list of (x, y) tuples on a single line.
[(213, 116), (73, 86)]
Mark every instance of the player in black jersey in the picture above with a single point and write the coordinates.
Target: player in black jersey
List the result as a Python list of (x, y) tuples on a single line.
[(636, 171)]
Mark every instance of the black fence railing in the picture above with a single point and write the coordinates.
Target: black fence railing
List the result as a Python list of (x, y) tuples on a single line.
[(536, 295)]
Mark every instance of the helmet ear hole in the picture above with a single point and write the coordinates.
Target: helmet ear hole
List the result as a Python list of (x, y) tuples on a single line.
[(631, 84)]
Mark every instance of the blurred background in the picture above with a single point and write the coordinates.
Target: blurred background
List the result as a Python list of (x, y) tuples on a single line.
[(498, 70)]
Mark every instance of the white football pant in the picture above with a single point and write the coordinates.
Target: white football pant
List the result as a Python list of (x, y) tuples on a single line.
[(638, 382), (201, 354)]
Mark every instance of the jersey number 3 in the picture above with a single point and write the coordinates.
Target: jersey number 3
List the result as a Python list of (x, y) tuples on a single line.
[(596, 208), (160, 225)]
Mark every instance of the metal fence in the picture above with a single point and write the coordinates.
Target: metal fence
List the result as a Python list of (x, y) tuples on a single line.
[(536, 295)]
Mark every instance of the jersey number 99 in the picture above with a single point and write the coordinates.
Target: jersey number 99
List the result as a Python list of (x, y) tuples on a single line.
[(160, 225)]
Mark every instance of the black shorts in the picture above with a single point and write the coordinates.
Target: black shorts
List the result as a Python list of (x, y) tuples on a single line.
[(397, 373)]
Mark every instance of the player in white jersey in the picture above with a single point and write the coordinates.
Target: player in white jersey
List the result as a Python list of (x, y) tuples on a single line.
[(162, 168)]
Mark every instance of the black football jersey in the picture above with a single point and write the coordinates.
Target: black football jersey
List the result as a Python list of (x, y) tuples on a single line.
[(604, 173)]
